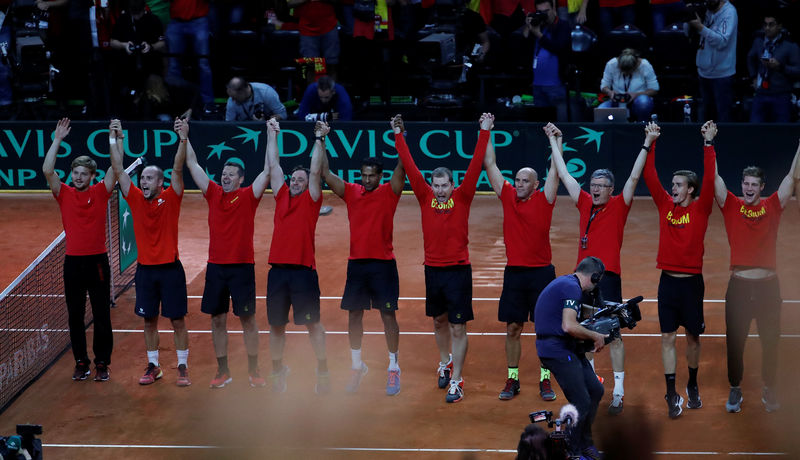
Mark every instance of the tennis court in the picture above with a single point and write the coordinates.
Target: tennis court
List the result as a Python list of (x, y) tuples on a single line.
[(122, 419)]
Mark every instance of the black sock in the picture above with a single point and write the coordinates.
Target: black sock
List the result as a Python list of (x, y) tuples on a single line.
[(670, 383), (277, 365), (692, 377), (322, 365), (252, 363), (222, 365)]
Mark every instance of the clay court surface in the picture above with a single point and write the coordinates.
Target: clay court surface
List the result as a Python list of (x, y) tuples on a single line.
[(122, 419)]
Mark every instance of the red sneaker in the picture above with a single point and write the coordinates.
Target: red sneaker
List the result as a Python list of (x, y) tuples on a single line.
[(151, 374)]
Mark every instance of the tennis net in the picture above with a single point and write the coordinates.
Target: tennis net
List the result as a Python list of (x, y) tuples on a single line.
[(34, 329)]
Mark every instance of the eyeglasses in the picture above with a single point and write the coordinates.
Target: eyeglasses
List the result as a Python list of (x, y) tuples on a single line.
[(598, 186)]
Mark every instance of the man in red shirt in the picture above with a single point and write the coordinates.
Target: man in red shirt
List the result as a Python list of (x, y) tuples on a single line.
[(683, 220), (601, 228), (83, 214), (448, 273), (753, 290), (160, 279), (230, 272), (292, 281), (527, 214), (372, 280), (319, 36)]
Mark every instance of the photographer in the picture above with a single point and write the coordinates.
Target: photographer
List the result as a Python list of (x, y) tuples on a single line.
[(252, 101), (716, 58), (560, 344), (551, 48), (325, 97), (629, 79)]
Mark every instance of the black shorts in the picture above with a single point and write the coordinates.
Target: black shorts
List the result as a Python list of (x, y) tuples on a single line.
[(371, 283), (292, 286), (163, 284), (449, 290), (521, 289), (226, 282), (680, 303)]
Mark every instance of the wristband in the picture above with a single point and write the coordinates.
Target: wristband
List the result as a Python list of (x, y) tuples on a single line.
[(646, 148), (708, 143), (185, 140), (321, 138), (112, 140)]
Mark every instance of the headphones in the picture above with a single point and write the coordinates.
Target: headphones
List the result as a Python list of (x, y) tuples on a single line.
[(596, 276)]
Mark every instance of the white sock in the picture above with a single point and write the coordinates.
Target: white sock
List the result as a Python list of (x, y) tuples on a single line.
[(591, 361), (619, 381), (393, 366), (183, 357), (152, 357), (355, 356)]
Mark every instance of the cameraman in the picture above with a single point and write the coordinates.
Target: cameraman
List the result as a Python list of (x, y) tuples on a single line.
[(551, 48), (326, 96), (629, 79), (559, 343), (252, 101)]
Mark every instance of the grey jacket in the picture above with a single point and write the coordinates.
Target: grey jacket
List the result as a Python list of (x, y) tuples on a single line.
[(716, 57), (779, 80)]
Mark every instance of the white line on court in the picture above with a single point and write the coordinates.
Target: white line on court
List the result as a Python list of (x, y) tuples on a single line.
[(489, 299), (379, 449)]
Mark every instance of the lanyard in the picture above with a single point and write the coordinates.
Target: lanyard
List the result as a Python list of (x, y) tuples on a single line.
[(591, 218)]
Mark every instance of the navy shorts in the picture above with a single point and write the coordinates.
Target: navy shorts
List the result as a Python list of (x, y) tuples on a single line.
[(680, 303), (449, 290), (521, 289), (296, 287), (371, 283), (226, 282), (163, 284)]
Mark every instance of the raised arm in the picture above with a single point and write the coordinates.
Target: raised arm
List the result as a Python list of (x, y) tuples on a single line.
[(709, 131), (652, 131), (490, 164), (557, 161), (199, 176), (176, 179), (551, 182), (660, 196), (335, 182), (260, 182), (115, 130), (321, 129), (275, 171), (475, 165), (787, 185), (414, 175), (398, 180), (49, 166)]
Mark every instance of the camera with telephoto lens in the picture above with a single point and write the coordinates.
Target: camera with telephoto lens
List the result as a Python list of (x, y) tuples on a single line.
[(136, 48), (258, 111), (611, 317), (317, 117), (557, 442), (538, 18)]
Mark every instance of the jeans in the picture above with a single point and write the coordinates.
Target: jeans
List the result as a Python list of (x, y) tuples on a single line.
[(775, 108), (641, 107), (325, 45), (717, 94), (577, 379), (664, 15), (551, 96), (180, 34)]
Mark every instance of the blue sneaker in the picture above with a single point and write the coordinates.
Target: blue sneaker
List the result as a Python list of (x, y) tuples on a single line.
[(456, 391), (393, 382)]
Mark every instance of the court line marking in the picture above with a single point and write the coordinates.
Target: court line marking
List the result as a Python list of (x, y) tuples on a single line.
[(379, 449)]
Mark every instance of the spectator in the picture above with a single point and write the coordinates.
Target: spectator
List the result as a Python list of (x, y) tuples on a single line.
[(326, 96), (138, 41), (716, 58), (6, 95), (318, 34), (613, 13), (666, 12), (774, 65), (630, 80), (572, 11), (190, 26), (552, 42), (252, 101)]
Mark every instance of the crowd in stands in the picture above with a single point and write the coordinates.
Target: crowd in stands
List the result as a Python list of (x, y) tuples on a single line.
[(443, 59)]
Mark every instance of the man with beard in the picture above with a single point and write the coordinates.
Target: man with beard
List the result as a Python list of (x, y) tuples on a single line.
[(372, 280), (160, 279), (230, 272), (83, 212)]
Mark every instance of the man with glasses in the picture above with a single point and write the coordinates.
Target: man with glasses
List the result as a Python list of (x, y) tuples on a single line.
[(774, 66), (601, 227)]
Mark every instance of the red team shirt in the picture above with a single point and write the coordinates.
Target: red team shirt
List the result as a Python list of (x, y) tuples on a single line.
[(604, 239), (752, 230), (155, 223), (445, 226), (682, 229), (294, 225), (371, 216), (316, 18), (526, 228), (84, 217), (231, 219)]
